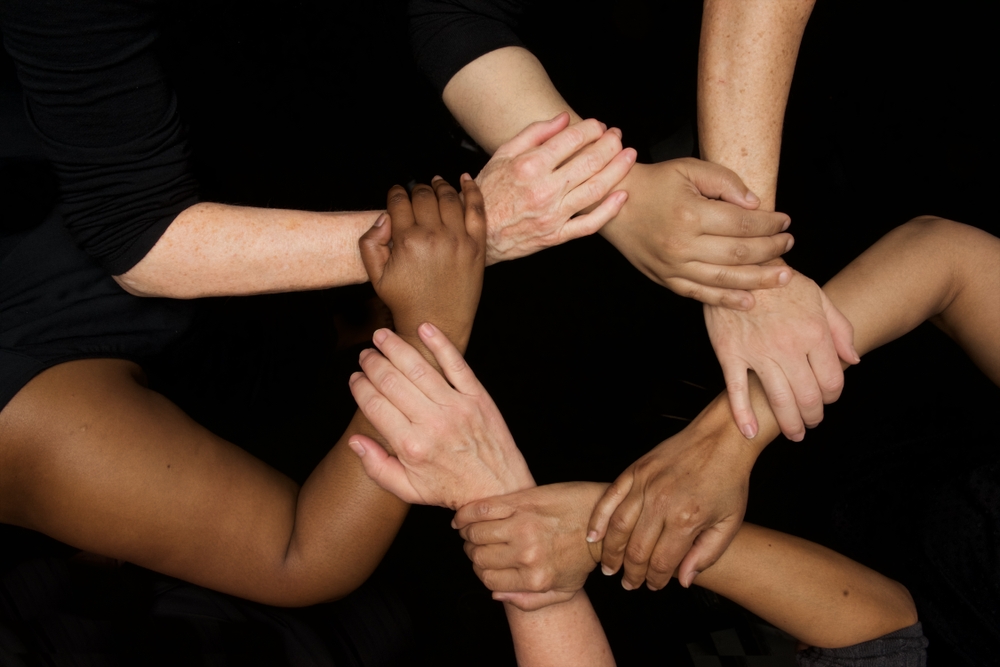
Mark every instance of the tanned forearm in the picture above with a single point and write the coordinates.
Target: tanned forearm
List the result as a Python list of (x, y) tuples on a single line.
[(221, 250), (745, 67)]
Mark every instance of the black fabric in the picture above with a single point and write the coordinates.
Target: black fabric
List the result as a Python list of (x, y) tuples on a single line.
[(449, 34), (99, 99), (903, 648), (57, 304)]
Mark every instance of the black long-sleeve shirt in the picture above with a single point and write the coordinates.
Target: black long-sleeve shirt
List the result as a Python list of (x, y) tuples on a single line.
[(98, 97)]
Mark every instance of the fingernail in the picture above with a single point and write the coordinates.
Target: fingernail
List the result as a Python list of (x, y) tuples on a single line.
[(691, 578), (631, 155), (604, 126), (857, 357), (380, 220), (501, 597), (652, 587), (354, 378), (428, 329), (453, 524), (752, 198), (592, 536), (784, 277), (749, 431), (356, 447), (617, 132), (380, 335), (788, 221), (607, 570), (364, 353), (466, 177), (626, 585), (436, 178), (788, 246), (798, 437)]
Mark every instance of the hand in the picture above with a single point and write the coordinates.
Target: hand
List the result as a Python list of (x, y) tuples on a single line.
[(676, 231), (679, 505), (536, 182), (451, 443), (433, 269), (792, 339), (532, 541)]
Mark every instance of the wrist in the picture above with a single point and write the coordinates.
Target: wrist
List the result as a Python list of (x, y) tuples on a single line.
[(633, 185), (716, 423)]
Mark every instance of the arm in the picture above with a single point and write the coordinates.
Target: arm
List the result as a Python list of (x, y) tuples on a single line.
[(929, 268), (689, 491), (413, 405), (672, 228)]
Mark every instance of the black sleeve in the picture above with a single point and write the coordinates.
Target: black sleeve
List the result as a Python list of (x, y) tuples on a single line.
[(903, 648), (447, 35), (98, 97)]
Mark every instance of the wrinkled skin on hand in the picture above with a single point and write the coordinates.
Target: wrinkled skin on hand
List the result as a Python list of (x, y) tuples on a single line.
[(426, 259), (451, 443), (794, 339), (693, 227), (530, 547), (682, 501), (538, 182)]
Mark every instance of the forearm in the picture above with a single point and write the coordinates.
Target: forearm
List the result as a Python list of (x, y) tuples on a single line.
[(560, 635), (222, 250), (816, 595), (745, 67)]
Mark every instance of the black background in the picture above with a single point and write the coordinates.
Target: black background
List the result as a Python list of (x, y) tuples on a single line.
[(309, 104)]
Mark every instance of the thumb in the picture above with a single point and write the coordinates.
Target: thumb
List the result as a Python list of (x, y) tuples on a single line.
[(708, 547), (488, 509), (533, 136), (374, 246), (842, 332), (717, 182), (384, 470)]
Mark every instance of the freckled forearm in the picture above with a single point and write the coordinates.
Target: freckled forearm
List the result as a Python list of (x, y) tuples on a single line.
[(222, 250)]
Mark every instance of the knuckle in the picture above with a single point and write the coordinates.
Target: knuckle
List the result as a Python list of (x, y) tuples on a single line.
[(537, 581), (398, 196), (739, 253), (661, 564), (619, 524), (635, 555), (527, 167)]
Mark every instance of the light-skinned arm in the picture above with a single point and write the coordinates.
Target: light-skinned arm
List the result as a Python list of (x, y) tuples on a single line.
[(414, 407), (793, 337), (687, 225), (541, 178)]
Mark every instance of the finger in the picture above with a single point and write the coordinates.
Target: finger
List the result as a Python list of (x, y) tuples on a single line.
[(620, 527), (717, 182), (738, 388), (782, 401), (414, 367), (719, 218), (425, 206), (493, 557), (533, 136), (488, 509), (384, 470), (393, 387), (399, 209), (533, 601), (708, 547), (450, 360), (568, 142), (597, 527), (842, 331), (591, 161), (449, 204), (596, 188), (384, 416), (739, 251), (374, 246), (489, 532), (808, 397), (712, 296), (640, 546), (509, 580), (736, 277), (591, 223), (475, 210)]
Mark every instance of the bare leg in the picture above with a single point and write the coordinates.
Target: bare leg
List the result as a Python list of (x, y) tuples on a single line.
[(90, 456)]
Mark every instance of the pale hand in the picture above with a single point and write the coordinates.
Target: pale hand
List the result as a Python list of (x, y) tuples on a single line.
[(793, 339), (537, 183), (451, 443)]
